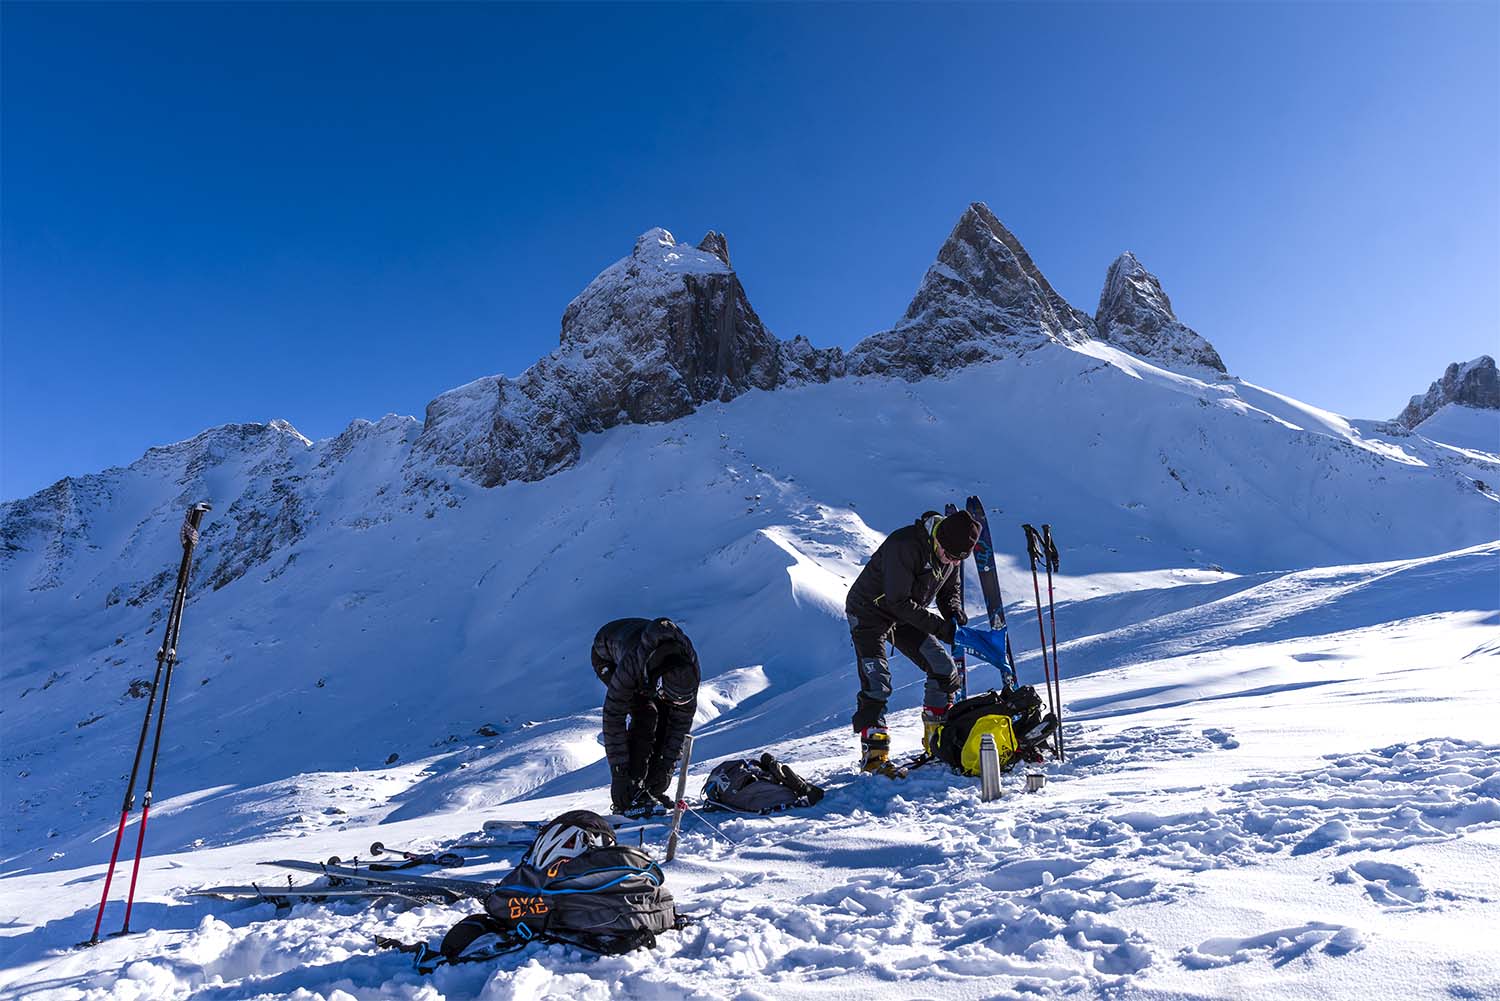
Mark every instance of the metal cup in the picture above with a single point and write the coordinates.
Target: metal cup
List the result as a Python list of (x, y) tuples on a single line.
[(1035, 781)]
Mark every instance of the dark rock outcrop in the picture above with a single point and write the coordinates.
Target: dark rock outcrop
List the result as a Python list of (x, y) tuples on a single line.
[(1470, 384), (1136, 315), (983, 299), (650, 339)]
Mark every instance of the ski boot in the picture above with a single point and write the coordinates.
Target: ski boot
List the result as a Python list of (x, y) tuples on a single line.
[(932, 726), (876, 744)]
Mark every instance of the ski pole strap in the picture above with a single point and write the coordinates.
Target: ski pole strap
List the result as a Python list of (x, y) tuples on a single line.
[(1049, 548)]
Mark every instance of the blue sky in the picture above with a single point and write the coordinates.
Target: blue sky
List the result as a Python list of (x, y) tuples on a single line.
[(233, 213)]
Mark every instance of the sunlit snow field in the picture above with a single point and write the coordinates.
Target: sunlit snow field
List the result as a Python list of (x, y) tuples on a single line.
[(1278, 631)]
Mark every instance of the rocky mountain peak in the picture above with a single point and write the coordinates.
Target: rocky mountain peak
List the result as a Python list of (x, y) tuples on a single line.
[(652, 337), (715, 243), (1470, 384), (984, 298), (1136, 315)]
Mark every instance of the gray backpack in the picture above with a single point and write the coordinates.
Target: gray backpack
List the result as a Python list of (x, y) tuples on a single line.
[(746, 785)]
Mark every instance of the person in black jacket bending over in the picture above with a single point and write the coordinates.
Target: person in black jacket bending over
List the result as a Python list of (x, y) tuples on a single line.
[(651, 673), (888, 604)]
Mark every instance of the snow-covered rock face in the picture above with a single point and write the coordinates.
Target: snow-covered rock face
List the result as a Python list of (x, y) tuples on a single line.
[(650, 339), (268, 483), (982, 300), (1470, 384), (1136, 315)]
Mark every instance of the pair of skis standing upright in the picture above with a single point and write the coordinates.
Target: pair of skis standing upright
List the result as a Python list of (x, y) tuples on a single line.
[(1040, 548)]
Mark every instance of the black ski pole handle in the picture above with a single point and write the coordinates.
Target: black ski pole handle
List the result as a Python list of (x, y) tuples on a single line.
[(1050, 548), (1033, 544)]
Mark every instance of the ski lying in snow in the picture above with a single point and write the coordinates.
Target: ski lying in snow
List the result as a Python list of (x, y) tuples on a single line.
[(282, 895), (410, 860), (529, 828), (457, 889)]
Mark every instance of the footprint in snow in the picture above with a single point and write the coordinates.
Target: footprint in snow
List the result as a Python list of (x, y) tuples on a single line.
[(1280, 946), (1385, 883), (1223, 738)]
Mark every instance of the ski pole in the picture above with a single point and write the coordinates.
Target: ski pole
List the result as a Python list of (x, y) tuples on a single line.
[(166, 659), (1033, 544), (1049, 550), (681, 803)]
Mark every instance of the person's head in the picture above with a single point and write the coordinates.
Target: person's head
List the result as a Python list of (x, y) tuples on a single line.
[(955, 536), (672, 669), (678, 681)]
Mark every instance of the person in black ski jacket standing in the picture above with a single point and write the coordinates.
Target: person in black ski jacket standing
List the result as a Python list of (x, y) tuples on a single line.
[(651, 673), (888, 604)]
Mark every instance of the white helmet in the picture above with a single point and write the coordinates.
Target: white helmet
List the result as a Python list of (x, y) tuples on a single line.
[(569, 836)]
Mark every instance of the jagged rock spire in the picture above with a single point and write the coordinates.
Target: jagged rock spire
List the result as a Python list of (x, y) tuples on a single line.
[(1136, 315), (982, 299)]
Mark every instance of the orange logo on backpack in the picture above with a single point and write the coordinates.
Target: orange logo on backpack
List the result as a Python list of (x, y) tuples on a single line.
[(522, 906)]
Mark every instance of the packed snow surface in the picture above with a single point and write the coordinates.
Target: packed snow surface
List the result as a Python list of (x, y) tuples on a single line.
[(1279, 633)]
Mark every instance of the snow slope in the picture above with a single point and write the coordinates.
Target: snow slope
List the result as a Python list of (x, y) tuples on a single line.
[(1252, 806), (1237, 567), (1464, 427)]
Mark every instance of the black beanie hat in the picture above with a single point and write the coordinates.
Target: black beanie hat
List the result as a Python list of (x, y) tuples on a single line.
[(957, 534)]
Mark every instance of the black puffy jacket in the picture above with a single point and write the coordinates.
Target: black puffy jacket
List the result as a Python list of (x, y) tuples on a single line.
[(902, 578), (646, 658)]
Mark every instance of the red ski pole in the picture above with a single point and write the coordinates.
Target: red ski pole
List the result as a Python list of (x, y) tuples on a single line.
[(166, 659), (1049, 552), (1033, 542)]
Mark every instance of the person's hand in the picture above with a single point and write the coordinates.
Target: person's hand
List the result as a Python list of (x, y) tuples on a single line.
[(623, 790), (959, 617)]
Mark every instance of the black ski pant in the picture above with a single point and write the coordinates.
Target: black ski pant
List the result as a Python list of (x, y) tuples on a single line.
[(646, 736), (922, 649)]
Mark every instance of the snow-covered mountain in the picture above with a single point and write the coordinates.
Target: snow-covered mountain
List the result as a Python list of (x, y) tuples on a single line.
[(392, 626), (1474, 384), (1462, 409)]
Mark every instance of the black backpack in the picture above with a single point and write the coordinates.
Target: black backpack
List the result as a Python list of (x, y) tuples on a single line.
[(1013, 716), (747, 785), (574, 885)]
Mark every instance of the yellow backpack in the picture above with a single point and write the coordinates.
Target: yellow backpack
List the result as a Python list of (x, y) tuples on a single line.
[(1005, 741)]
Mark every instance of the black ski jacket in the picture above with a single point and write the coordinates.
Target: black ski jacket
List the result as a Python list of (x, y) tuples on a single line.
[(902, 579), (645, 658)]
